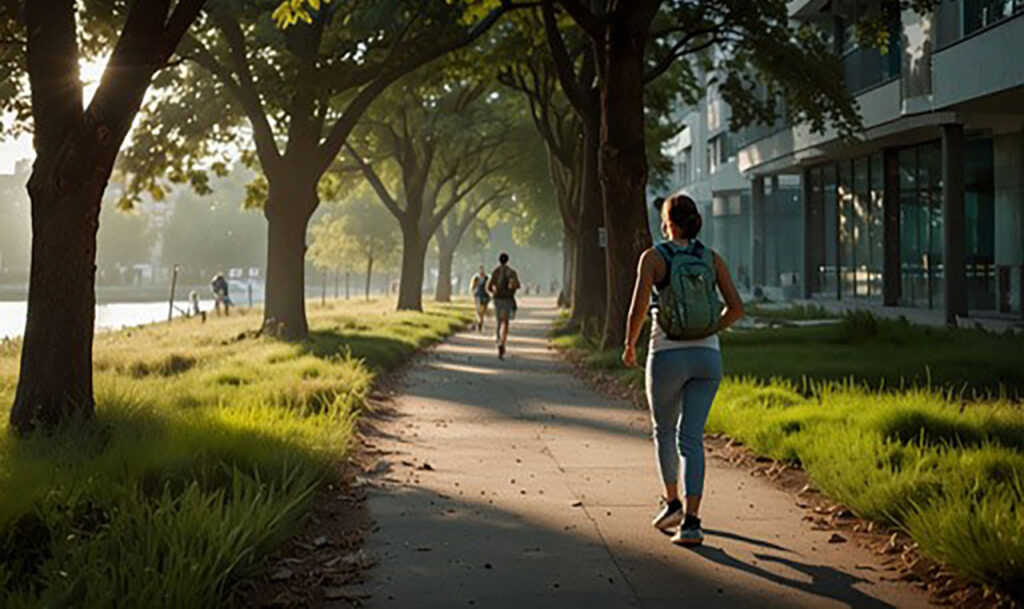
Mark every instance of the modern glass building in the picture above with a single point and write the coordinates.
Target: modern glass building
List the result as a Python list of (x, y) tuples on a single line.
[(706, 169), (927, 209)]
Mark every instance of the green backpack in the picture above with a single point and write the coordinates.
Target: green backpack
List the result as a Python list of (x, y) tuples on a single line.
[(688, 306)]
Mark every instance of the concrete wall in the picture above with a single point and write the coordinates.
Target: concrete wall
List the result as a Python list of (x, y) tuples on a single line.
[(983, 64)]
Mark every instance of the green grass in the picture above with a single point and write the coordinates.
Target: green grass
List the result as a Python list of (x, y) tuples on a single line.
[(205, 452), (882, 354), (893, 447)]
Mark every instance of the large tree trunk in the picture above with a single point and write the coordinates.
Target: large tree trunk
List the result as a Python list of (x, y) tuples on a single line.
[(369, 275), (75, 153), (445, 260), (55, 380), (288, 210), (414, 255), (623, 168), (590, 289)]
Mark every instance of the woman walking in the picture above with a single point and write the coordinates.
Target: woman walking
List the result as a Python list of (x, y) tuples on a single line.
[(684, 364)]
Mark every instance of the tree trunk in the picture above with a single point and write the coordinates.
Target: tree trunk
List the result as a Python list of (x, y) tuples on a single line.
[(55, 380), (445, 258), (590, 289), (568, 268), (284, 313), (348, 285), (414, 255), (369, 275), (75, 153), (623, 167)]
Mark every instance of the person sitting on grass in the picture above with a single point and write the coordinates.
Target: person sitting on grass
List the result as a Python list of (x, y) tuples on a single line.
[(502, 286), (684, 364)]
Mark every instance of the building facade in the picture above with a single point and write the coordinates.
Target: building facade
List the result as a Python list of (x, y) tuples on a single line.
[(926, 209), (707, 169)]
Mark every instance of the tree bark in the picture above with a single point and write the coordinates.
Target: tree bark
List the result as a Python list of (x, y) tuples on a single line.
[(623, 165), (55, 380), (568, 268), (369, 275), (445, 260), (590, 289), (288, 209), (414, 255)]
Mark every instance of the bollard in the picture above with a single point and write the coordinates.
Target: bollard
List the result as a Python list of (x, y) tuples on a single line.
[(174, 284)]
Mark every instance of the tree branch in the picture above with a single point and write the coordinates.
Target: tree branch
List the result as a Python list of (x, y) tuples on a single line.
[(341, 129), (590, 23), (377, 184)]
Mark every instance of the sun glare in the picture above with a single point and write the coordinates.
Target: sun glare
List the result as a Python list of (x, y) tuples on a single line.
[(18, 148), (91, 73)]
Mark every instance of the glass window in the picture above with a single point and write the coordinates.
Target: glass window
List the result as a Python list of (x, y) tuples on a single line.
[(816, 244), (830, 268), (930, 193), (861, 228), (982, 13), (980, 209), (877, 223), (912, 263), (847, 261)]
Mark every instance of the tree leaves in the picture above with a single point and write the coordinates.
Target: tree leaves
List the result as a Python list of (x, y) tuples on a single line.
[(290, 12)]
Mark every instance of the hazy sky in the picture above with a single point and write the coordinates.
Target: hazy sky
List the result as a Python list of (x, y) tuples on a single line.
[(11, 151)]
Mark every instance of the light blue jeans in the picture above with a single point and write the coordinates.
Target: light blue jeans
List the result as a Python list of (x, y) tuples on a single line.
[(681, 385)]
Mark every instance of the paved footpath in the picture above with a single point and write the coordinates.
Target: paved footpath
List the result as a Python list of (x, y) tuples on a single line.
[(541, 492)]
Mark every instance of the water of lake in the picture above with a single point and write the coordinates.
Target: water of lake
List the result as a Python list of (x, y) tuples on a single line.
[(109, 316)]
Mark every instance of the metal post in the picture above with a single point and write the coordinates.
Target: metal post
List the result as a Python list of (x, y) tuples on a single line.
[(170, 302)]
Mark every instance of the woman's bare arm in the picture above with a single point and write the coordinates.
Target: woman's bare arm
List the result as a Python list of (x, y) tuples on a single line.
[(733, 303), (638, 309)]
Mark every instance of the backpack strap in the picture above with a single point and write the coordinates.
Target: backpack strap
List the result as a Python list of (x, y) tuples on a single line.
[(667, 253)]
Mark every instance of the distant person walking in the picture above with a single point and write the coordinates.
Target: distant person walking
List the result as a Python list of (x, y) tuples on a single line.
[(502, 286), (219, 285), (478, 286), (684, 364)]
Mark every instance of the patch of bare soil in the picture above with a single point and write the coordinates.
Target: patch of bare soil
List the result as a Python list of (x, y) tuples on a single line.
[(895, 552)]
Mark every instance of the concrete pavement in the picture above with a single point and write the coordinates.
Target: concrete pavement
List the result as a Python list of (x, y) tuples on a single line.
[(539, 493)]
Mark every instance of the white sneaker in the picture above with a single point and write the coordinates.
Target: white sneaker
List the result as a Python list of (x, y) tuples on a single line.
[(671, 515), (690, 533)]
